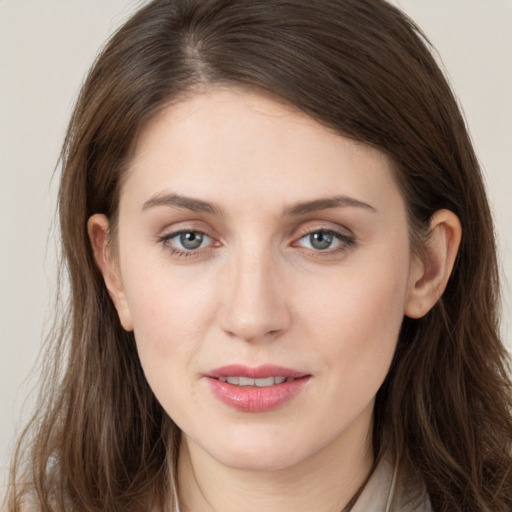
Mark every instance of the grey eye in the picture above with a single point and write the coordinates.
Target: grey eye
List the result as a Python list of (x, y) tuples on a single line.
[(191, 240), (323, 240), (320, 240)]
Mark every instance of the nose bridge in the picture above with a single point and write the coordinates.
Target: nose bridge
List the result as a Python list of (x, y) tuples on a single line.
[(254, 306)]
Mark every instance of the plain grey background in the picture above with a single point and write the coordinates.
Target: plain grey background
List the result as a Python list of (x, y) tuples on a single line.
[(46, 47)]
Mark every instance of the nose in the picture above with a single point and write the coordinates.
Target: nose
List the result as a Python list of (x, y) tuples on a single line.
[(255, 303)]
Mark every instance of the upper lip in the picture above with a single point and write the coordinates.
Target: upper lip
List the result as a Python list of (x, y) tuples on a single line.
[(255, 372)]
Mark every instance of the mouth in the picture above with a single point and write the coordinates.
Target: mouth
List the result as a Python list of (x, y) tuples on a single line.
[(256, 389), (259, 383)]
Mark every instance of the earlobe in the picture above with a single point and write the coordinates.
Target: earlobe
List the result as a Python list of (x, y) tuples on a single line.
[(98, 230), (429, 275)]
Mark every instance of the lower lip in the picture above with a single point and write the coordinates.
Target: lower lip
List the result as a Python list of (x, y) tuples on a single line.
[(255, 399)]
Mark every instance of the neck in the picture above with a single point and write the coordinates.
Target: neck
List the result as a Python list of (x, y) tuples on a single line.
[(325, 481)]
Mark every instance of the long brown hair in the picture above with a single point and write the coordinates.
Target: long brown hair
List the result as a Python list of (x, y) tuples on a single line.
[(100, 440)]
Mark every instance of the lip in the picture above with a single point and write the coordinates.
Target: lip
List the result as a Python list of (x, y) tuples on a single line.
[(251, 398), (256, 372)]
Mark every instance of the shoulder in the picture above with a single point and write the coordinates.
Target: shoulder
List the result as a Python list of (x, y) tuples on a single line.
[(387, 490), (410, 495)]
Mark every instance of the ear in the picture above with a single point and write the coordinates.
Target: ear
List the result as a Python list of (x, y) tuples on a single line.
[(429, 274), (98, 230)]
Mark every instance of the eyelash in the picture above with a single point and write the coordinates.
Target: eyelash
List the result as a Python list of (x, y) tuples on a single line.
[(182, 253), (345, 243)]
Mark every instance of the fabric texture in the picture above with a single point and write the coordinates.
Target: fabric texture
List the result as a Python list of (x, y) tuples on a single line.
[(384, 492)]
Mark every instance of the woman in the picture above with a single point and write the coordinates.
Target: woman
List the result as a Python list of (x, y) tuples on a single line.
[(269, 214)]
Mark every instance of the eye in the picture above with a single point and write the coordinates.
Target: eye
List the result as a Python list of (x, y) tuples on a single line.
[(186, 241), (325, 240)]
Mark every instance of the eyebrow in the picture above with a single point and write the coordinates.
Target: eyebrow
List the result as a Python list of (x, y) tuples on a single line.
[(326, 203), (200, 206), (179, 201)]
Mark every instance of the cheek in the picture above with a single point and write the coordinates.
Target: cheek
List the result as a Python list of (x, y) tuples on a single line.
[(356, 320), (170, 321), (171, 312)]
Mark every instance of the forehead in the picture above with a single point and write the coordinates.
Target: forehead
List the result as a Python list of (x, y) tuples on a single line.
[(225, 144)]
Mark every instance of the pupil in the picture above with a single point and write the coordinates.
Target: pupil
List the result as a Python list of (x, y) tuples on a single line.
[(191, 240), (321, 240)]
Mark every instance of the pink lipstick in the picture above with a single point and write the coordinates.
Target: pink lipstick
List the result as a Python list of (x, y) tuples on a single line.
[(255, 389)]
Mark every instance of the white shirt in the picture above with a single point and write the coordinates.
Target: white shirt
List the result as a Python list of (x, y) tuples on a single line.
[(383, 493)]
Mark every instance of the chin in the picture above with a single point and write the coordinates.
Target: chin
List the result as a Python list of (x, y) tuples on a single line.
[(261, 449), (258, 460)]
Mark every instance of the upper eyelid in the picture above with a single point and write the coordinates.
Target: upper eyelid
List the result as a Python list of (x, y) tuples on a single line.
[(173, 230), (172, 234), (328, 227), (342, 237), (340, 231)]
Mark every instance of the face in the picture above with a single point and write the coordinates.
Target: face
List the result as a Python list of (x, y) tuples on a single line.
[(264, 265)]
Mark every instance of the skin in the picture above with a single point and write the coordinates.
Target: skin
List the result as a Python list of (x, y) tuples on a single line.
[(257, 291)]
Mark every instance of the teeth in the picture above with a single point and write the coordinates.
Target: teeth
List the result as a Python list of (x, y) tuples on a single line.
[(263, 383), (260, 383)]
